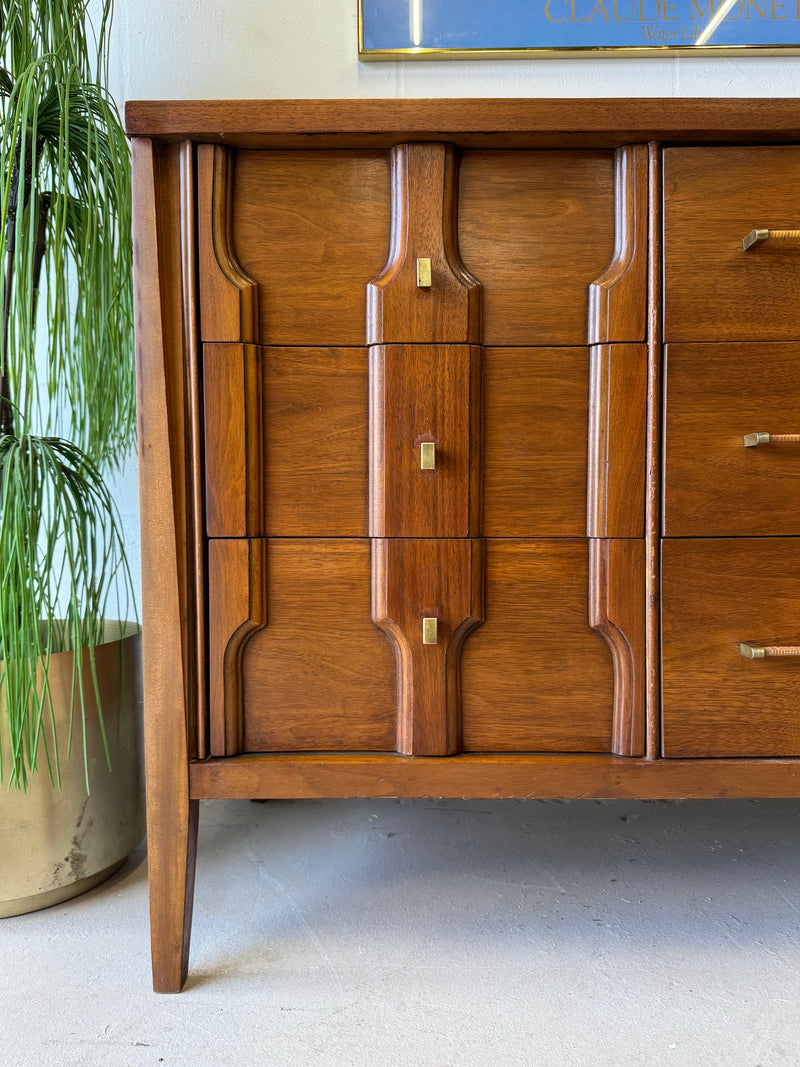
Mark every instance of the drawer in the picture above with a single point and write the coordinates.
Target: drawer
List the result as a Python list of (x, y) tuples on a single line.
[(286, 441), (714, 484), (313, 228), (713, 290), (716, 594)]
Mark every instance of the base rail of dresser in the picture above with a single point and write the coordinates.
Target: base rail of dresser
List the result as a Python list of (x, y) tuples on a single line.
[(569, 777)]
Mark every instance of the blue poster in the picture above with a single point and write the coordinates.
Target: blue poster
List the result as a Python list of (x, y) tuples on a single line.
[(418, 28)]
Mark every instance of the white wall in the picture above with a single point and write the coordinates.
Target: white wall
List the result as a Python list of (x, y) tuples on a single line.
[(202, 49)]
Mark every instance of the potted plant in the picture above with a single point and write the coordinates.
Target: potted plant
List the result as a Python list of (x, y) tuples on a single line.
[(66, 416)]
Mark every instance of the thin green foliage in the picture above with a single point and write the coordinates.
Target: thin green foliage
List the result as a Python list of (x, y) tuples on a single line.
[(62, 559), (67, 399)]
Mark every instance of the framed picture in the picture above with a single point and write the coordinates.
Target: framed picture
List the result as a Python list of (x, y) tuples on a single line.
[(464, 29)]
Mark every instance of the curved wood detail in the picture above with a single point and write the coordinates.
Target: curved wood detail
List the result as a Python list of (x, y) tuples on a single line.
[(424, 226), (617, 460), (617, 613), (238, 609), (416, 579), (618, 298), (228, 295)]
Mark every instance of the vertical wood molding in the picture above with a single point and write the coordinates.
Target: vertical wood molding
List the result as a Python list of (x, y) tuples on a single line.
[(172, 816), (617, 613), (228, 295), (237, 575), (234, 460), (194, 403), (654, 428), (416, 579), (425, 393), (424, 225), (618, 298), (617, 441)]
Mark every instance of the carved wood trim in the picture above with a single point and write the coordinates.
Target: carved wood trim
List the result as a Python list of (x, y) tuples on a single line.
[(413, 580), (191, 360), (616, 465), (441, 391), (654, 427), (617, 613), (233, 440), (424, 226), (238, 597), (228, 295), (618, 298)]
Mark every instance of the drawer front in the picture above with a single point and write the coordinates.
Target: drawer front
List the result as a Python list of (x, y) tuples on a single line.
[(716, 594), (535, 677), (713, 289), (312, 229), (718, 397)]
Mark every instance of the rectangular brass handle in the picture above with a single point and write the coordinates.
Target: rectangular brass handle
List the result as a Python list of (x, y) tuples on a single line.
[(430, 631), (753, 439), (423, 273), (756, 237), (752, 651), (427, 456)]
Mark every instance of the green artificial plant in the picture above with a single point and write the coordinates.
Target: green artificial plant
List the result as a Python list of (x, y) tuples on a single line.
[(67, 398)]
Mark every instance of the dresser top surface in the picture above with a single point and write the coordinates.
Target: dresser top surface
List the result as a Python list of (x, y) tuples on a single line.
[(469, 122)]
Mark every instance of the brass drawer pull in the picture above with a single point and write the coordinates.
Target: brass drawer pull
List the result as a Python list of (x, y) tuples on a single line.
[(430, 631), (427, 456), (751, 651), (755, 237), (753, 439), (424, 273)]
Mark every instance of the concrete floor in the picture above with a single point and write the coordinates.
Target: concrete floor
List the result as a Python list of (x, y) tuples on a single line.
[(435, 934)]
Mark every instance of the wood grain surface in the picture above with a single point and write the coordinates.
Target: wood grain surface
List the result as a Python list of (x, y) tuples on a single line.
[(497, 122), (237, 610), (320, 675), (233, 435), (617, 441), (425, 393), (228, 295), (413, 579), (165, 488), (312, 228), (535, 229), (617, 596), (542, 777), (536, 414), (713, 485), (618, 298), (534, 676), (716, 593), (713, 290), (424, 225)]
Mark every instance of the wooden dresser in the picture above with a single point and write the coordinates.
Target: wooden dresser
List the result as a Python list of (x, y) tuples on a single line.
[(470, 454)]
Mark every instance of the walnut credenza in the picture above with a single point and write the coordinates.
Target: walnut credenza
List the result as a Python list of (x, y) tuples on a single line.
[(470, 454)]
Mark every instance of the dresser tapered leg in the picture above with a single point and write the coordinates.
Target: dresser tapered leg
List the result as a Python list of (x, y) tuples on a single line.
[(172, 850)]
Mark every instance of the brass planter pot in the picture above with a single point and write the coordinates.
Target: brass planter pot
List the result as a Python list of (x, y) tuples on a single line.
[(55, 845)]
